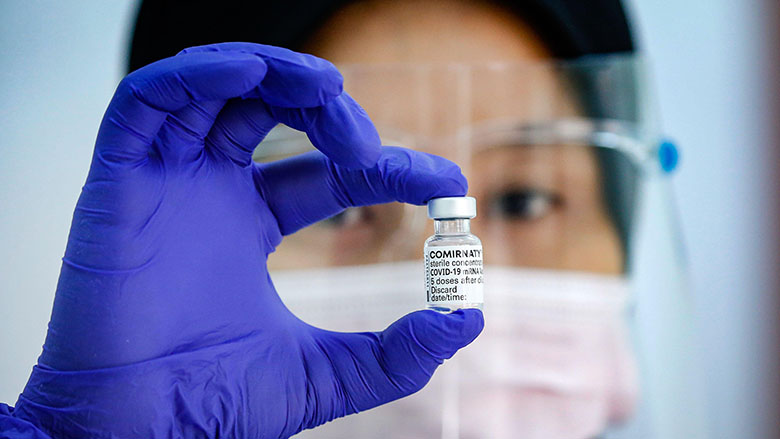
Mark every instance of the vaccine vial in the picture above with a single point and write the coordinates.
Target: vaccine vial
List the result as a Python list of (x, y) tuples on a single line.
[(453, 256)]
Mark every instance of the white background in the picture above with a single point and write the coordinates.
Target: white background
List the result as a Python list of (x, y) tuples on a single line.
[(713, 67), (60, 64)]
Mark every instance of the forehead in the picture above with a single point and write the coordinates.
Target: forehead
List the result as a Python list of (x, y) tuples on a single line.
[(435, 68), (424, 31)]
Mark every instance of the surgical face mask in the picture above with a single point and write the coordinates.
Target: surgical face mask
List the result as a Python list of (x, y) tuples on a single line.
[(553, 361)]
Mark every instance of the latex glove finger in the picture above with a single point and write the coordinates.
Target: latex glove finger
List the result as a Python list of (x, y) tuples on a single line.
[(144, 98), (303, 92), (308, 188), (293, 80), (360, 371), (183, 133), (13, 427), (340, 129)]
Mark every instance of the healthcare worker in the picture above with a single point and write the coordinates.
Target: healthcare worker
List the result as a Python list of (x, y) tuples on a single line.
[(166, 322)]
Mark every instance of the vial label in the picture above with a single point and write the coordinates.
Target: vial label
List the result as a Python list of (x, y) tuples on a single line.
[(453, 276)]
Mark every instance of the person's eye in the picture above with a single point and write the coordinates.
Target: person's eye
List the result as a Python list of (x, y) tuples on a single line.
[(523, 203)]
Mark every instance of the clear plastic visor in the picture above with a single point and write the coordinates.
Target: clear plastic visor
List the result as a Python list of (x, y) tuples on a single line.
[(553, 152), (564, 159)]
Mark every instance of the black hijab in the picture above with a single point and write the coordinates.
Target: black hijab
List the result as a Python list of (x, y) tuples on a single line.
[(569, 28)]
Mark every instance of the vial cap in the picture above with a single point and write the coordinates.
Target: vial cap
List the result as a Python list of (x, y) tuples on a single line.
[(452, 208)]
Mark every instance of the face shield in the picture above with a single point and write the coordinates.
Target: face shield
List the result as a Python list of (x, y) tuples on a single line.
[(578, 234)]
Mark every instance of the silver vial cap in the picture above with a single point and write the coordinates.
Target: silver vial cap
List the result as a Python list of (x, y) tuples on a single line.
[(452, 208)]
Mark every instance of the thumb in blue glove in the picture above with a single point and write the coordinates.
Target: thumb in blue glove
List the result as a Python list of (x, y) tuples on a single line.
[(165, 321)]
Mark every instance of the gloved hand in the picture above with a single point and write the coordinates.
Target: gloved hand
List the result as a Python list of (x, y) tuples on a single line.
[(166, 322)]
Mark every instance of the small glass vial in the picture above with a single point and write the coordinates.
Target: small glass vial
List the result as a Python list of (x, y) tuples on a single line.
[(453, 256)]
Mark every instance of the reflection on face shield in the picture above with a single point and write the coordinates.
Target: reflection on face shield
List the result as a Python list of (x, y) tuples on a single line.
[(556, 156), (553, 361)]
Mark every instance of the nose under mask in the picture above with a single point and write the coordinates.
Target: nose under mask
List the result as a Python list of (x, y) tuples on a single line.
[(553, 360)]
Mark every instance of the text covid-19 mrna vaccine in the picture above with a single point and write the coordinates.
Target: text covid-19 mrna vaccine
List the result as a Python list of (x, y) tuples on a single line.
[(453, 256)]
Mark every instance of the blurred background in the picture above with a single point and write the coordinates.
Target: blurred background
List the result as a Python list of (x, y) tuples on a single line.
[(717, 68)]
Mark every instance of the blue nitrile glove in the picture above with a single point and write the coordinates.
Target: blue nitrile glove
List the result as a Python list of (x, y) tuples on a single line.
[(165, 322)]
